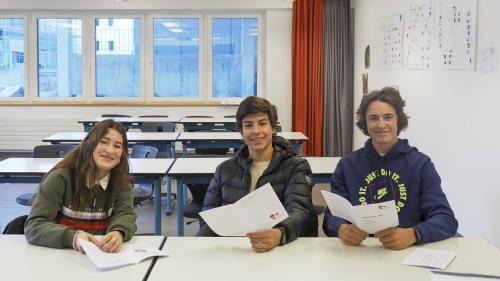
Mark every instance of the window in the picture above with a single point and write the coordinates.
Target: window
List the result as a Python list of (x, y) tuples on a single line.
[(176, 57), (122, 59), (149, 58), (59, 57), (234, 44), (11, 57)]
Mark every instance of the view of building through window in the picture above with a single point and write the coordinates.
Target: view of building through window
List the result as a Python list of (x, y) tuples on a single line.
[(11, 58), (59, 57), (176, 57), (234, 57), (231, 59), (118, 55)]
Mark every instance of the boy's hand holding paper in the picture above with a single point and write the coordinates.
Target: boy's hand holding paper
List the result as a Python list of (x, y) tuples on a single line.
[(257, 211), (369, 218)]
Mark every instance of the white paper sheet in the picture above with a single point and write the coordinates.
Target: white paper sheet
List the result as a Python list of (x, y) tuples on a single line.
[(131, 253), (257, 211), (430, 258), (370, 218)]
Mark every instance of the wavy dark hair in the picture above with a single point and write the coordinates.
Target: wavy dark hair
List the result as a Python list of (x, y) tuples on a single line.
[(83, 169), (389, 95), (252, 105)]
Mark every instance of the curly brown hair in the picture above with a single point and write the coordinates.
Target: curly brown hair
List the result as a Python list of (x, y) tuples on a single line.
[(389, 95)]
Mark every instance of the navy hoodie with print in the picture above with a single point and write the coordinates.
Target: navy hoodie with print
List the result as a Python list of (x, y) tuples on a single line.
[(403, 174)]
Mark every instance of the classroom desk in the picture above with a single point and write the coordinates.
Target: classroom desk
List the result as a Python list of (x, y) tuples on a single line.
[(196, 124), (201, 171), (322, 168), (232, 258), (22, 261), (166, 138), (132, 122), (30, 170), (230, 140)]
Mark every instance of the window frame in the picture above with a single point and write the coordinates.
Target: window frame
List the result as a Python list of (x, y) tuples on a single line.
[(150, 58), (146, 75), (92, 58), (260, 55), (33, 51), (26, 95)]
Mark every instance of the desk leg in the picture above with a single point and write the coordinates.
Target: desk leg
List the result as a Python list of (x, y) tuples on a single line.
[(184, 149), (169, 203), (180, 207), (298, 146), (157, 206)]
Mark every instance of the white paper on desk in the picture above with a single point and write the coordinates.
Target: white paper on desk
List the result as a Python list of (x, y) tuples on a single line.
[(370, 218), (259, 210), (430, 258), (131, 253)]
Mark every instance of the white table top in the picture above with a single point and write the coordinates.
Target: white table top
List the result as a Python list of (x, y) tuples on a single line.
[(188, 136), (323, 165), (231, 258), (204, 166), (40, 166), (207, 120), (195, 166), (131, 136), (132, 119), (22, 261)]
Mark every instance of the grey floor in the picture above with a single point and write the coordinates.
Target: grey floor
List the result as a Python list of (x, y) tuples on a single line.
[(9, 209)]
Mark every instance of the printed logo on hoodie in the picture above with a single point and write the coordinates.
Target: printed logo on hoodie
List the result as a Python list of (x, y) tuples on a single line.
[(383, 185)]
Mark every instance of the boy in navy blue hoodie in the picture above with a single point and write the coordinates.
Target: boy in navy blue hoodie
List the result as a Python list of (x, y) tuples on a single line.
[(388, 168)]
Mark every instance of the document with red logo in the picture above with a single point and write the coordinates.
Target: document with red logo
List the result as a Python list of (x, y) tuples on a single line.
[(259, 210), (131, 253), (370, 218)]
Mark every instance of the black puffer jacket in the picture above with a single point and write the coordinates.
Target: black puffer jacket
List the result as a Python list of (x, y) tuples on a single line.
[(290, 177)]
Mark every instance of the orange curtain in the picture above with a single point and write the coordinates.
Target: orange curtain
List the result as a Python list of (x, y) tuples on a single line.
[(307, 73)]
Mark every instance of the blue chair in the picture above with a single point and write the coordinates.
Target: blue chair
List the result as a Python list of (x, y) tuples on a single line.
[(45, 151), (140, 192)]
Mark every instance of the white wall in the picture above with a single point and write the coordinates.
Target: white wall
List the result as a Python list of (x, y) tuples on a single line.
[(454, 116), (277, 57)]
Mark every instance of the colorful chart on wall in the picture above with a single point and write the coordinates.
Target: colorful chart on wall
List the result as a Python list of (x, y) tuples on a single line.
[(393, 32), (419, 34), (456, 34)]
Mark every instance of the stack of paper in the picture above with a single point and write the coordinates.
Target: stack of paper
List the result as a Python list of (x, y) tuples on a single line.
[(430, 258), (369, 218), (131, 253), (257, 211)]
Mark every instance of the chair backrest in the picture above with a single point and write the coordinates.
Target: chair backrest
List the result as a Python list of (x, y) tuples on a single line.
[(114, 115), (198, 116), (157, 127), (160, 116), (52, 151), (16, 226), (143, 151)]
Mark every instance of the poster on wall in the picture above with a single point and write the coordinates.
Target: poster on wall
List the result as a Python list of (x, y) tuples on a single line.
[(419, 34), (456, 34), (393, 41)]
